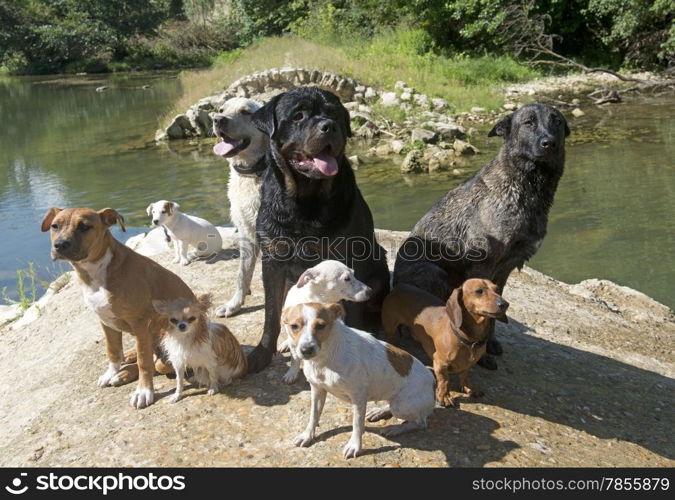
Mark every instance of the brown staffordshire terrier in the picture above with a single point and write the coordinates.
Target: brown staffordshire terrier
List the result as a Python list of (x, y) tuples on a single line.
[(119, 285), (454, 334)]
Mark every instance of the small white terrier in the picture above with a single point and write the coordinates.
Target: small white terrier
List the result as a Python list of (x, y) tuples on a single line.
[(186, 230), (328, 281), (356, 367), (192, 341)]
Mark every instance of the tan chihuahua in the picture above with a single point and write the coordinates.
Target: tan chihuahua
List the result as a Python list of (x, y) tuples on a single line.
[(192, 341)]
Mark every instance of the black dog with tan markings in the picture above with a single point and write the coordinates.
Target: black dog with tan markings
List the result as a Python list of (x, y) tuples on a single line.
[(311, 209), (496, 220)]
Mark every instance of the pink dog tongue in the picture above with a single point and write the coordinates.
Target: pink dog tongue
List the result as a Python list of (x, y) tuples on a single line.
[(223, 147), (326, 164)]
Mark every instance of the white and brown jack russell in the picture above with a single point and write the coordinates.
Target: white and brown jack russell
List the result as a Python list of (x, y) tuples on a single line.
[(356, 367), (328, 281)]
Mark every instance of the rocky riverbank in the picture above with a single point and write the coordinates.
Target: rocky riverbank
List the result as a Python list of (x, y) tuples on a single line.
[(401, 121), (586, 379)]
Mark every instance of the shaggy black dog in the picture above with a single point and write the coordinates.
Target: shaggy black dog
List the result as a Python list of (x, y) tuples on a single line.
[(496, 220), (311, 209)]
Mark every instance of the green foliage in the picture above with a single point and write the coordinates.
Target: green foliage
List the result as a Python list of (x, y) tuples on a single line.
[(26, 286), (40, 36)]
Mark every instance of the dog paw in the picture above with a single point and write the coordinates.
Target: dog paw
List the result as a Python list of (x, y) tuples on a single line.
[(488, 362), (184, 262), (213, 390), (494, 347), (352, 448), (304, 439), (229, 309), (290, 377), (377, 414), (105, 379), (175, 398), (448, 401), (176, 260), (474, 393), (142, 398), (259, 358)]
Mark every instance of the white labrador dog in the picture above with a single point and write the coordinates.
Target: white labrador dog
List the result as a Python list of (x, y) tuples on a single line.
[(186, 231), (240, 141)]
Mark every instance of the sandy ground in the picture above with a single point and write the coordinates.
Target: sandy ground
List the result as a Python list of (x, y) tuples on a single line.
[(586, 379)]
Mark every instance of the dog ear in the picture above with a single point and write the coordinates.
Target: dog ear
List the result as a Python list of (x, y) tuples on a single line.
[(502, 127), (205, 302), (110, 216), (567, 129), (305, 278), (265, 119), (454, 308), (161, 306), (149, 210), (49, 217), (336, 310), (170, 206)]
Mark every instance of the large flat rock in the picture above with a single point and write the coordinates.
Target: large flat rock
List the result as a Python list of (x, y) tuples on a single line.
[(585, 380)]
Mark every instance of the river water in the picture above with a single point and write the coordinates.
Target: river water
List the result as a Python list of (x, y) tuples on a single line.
[(64, 144)]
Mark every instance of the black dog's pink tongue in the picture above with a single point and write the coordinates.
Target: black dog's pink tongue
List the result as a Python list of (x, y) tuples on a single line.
[(326, 164), (223, 147)]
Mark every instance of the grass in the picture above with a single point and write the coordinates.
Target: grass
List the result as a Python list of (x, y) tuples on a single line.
[(26, 287), (381, 61)]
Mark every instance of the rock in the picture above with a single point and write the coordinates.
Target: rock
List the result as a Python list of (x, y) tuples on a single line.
[(349, 106), (389, 99), (145, 87), (367, 131), (510, 106), (576, 101), (464, 148), (477, 110), (161, 135), (383, 149), (370, 93), (424, 135), (450, 131), (355, 161), (413, 163), (438, 104), (399, 85), (421, 100), (101, 88), (396, 146), (406, 96), (576, 112)]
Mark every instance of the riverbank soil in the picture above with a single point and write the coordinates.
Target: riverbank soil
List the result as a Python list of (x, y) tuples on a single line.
[(585, 380)]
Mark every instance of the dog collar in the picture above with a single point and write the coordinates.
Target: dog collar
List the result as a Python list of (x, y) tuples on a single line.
[(467, 342), (256, 169)]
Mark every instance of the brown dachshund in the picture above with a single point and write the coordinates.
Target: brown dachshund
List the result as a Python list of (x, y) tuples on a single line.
[(452, 334)]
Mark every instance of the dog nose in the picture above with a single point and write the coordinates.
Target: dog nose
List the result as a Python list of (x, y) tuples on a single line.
[(327, 126), (307, 350), (502, 304), (62, 244), (182, 327), (155, 221), (547, 143)]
